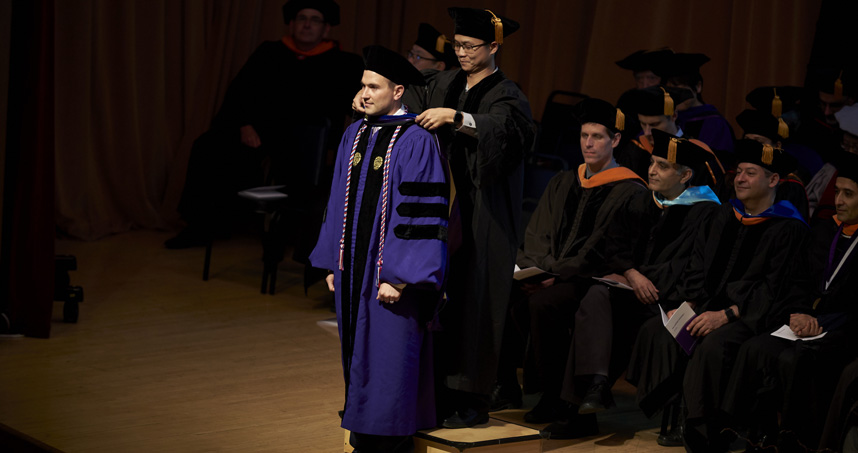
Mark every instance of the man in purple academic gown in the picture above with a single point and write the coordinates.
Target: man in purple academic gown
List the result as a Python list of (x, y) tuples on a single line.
[(384, 241)]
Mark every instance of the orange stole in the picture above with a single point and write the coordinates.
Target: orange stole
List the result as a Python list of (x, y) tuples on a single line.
[(323, 47), (605, 177), (848, 229), (748, 221)]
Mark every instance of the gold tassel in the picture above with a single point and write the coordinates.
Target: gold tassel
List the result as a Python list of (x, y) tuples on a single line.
[(768, 154), (671, 150), (783, 129), (620, 121), (777, 105), (838, 86), (668, 103), (498, 27), (439, 43)]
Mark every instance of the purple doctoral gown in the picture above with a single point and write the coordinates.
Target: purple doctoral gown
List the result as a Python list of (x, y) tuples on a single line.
[(387, 354)]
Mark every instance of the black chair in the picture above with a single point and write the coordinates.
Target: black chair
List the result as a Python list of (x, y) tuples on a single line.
[(300, 171), (557, 133)]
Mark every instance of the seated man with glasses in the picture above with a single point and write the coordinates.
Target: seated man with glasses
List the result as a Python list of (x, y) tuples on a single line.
[(430, 54), (485, 127), (253, 125)]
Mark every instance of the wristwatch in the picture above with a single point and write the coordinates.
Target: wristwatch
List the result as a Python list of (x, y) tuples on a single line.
[(458, 118), (731, 315)]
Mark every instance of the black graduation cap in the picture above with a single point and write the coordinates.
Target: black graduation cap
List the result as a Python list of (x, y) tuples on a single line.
[(681, 64), (644, 60), (659, 100), (773, 159), (392, 66), (482, 24), (847, 165), (760, 123), (832, 80), (437, 44), (776, 100), (678, 150), (329, 8), (592, 110)]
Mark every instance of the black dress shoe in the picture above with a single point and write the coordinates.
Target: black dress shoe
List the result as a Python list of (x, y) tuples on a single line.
[(547, 410), (574, 427), (465, 418), (597, 399), (672, 438), (505, 397)]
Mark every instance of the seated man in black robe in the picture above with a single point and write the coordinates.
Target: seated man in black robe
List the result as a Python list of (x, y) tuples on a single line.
[(738, 269), (682, 204), (568, 236), (258, 123), (737, 275), (795, 376)]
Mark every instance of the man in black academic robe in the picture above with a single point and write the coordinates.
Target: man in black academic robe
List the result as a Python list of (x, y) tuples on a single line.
[(431, 54), (288, 92), (567, 237), (738, 273), (485, 128), (796, 376)]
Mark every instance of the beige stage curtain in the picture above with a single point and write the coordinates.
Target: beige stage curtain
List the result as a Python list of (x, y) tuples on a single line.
[(138, 81)]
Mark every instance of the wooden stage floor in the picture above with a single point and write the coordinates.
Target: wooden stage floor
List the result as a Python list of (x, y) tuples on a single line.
[(162, 361)]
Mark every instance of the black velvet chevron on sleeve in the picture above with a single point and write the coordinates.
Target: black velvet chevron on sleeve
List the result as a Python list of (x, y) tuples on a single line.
[(424, 189), (408, 232), (423, 210)]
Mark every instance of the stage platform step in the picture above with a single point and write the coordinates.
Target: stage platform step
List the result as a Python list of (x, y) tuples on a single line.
[(497, 436)]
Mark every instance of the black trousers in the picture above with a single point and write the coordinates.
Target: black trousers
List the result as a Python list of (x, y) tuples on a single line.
[(554, 316), (795, 378)]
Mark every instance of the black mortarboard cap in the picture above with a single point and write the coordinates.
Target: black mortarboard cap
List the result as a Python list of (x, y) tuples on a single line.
[(760, 123), (773, 159), (436, 43), (681, 64), (847, 165), (678, 150), (592, 110), (392, 66), (644, 60), (482, 24), (329, 8), (833, 80), (775, 100), (659, 100)]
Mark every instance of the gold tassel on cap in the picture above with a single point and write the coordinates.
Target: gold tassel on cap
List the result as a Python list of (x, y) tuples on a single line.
[(768, 154), (668, 103), (498, 27), (439, 43), (783, 129), (621, 120), (777, 105), (838, 86), (671, 150)]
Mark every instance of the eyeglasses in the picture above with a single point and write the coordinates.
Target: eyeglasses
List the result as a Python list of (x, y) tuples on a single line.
[(468, 47), (418, 57), (313, 20)]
